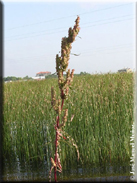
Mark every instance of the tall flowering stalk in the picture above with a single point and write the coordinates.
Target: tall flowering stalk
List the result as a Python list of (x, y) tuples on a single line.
[(64, 84)]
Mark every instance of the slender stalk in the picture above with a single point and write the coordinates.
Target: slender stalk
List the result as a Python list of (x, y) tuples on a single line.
[(55, 168), (64, 84), (56, 141)]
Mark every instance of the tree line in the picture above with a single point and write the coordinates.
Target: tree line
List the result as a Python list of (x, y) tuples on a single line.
[(13, 78)]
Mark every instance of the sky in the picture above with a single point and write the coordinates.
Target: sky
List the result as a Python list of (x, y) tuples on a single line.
[(33, 33)]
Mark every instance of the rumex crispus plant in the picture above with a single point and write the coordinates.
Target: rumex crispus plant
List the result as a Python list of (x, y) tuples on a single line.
[(57, 103)]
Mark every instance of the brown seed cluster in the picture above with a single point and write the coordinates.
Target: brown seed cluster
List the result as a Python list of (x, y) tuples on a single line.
[(61, 66), (63, 60), (64, 119), (56, 104)]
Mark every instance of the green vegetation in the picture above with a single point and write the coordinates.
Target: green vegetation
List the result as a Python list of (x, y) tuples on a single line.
[(13, 78), (102, 106), (84, 73)]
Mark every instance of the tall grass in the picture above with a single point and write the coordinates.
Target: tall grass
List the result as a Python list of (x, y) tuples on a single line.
[(103, 114)]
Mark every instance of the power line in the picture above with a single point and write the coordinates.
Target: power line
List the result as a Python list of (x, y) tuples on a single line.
[(90, 54), (66, 30), (108, 22), (37, 35), (35, 32), (109, 19), (81, 24), (83, 53), (87, 50), (109, 48), (69, 16)]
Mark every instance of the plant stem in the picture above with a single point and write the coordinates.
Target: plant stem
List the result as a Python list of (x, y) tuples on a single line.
[(55, 171), (61, 66), (56, 141)]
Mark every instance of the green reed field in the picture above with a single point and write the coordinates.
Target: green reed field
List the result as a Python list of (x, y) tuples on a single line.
[(102, 106)]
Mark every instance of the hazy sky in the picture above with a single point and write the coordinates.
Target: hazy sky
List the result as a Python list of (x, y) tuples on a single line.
[(33, 33)]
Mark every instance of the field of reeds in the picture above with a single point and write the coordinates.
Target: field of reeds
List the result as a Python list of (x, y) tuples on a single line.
[(102, 105)]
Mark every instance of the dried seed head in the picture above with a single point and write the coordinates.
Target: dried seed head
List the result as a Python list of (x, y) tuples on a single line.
[(65, 116), (72, 117), (72, 74), (68, 75), (58, 60), (59, 106), (66, 91), (56, 104), (53, 162), (64, 119), (63, 61)]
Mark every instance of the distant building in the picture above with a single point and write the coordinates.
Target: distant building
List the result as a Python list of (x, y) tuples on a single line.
[(38, 77), (41, 75), (125, 70)]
